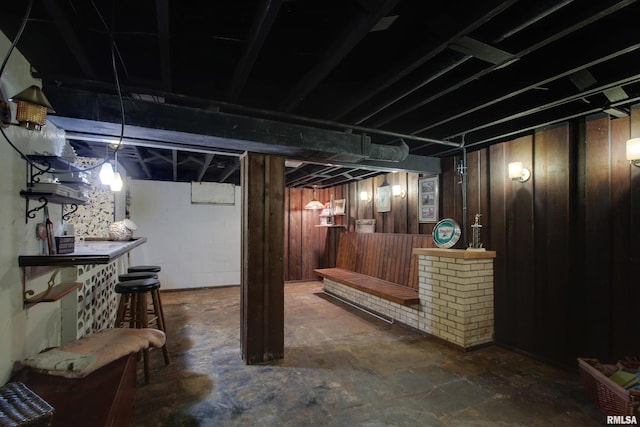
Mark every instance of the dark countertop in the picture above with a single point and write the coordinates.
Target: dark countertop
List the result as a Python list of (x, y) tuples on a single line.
[(86, 252)]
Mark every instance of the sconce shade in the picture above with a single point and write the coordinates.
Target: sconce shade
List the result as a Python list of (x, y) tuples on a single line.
[(106, 174), (314, 204), (515, 170), (633, 149), (32, 108), (364, 196), (116, 184), (518, 173), (396, 190)]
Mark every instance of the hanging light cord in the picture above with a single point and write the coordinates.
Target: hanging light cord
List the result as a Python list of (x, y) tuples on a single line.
[(35, 165)]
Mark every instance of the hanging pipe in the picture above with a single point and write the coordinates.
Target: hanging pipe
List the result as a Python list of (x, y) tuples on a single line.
[(462, 170)]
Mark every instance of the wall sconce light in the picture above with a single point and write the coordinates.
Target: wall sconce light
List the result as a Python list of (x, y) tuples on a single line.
[(633, 151), (365, 196), (396, 190), (33, 107), (518, 173)]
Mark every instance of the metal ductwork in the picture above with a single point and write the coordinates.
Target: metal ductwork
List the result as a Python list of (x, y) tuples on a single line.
[(85, 113)]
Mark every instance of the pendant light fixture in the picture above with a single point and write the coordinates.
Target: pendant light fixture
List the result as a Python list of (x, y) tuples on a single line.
[(314, 204), (116, 183), (106, 173)]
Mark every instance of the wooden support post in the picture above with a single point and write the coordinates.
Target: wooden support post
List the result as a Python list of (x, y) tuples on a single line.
[(262, 296)]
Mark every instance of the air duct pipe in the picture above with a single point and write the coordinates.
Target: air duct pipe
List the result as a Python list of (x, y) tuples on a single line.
[(391, 153)]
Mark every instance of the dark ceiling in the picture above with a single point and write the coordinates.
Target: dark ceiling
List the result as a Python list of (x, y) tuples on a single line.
[(339, 84)]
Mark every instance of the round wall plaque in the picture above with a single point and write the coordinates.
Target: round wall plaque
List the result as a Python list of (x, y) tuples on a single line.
[(446, 233)]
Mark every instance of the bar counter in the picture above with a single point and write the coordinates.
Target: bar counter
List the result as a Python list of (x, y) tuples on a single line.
[(86, 253)]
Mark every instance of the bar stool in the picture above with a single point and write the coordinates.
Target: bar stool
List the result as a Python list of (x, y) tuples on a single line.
[(143, 272), (145, 268), (133, 296), (125, 277)]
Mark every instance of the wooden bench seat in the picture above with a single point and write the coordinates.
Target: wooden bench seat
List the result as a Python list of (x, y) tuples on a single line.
[(379, 264), (371, 285)]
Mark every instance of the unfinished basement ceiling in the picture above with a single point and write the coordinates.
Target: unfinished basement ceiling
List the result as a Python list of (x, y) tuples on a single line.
[(329, 82)]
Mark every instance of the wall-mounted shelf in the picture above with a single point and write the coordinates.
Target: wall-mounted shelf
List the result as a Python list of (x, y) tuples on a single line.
[(62, 194), (56, 293)]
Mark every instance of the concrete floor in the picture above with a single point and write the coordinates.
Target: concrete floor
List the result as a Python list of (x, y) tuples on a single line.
[(342, 368)]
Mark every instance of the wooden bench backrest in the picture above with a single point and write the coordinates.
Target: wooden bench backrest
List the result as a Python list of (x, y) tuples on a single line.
[(386, 256)]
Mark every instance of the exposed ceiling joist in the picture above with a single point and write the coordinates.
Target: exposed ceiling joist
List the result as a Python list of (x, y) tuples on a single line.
[(261, 28), (205, 165), (275, 76), (343, 44)]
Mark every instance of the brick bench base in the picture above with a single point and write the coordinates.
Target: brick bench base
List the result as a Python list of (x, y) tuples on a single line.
[(390, 291)]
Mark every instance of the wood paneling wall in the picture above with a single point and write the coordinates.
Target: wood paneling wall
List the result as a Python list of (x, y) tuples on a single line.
[(308, 246), (566, 240)]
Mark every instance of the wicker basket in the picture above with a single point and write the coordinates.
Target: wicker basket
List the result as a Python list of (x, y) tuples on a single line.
[(19, 406), (609, 396)]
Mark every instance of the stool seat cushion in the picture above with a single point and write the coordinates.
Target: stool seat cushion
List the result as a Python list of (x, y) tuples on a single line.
[(137, 275), (79, 358), (136, 268), (137, 286)]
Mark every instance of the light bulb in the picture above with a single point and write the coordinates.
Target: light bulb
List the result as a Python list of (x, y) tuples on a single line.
[(116, 184), (106, 173)]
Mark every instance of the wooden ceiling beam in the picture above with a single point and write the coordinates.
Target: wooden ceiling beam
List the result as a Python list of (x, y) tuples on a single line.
[(418, 58), (65, 28), (260, 31), (580, 24), (341, 46), (162, 19)]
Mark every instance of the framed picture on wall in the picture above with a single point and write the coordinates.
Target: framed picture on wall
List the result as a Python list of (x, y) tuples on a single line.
[(383, 198), (339, 206), (428, 199)]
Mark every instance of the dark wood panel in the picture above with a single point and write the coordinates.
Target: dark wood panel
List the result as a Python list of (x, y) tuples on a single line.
[(273, 259), (474, 187), (413, 226), (597, 221), (634, 235), (293, 234), (505, 328), (262, 284), (623, 316), (521, 272), (552, 234)]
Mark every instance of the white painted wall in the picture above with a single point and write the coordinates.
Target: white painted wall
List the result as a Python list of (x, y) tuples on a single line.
[(197, 245), (22, 332)]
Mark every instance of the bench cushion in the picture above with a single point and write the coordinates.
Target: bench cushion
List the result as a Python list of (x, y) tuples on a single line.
[(381, 288), (79, 358)]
